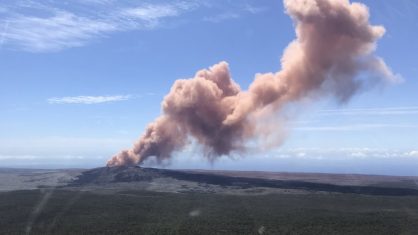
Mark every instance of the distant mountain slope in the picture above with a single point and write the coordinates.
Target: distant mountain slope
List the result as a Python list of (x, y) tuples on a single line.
[(238, 180)]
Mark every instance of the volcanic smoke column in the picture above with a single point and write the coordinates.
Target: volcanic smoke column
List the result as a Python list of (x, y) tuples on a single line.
[(334, 44)]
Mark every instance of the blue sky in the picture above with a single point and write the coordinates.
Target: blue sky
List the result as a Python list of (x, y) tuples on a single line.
[(80, 80)]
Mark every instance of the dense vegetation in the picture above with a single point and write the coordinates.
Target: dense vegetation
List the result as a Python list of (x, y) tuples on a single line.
[(140, 212)]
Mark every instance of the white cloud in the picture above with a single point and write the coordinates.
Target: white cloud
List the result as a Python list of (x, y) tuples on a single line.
[(253, 9), (62, 30), (222, 17), (358, 154), (344, 153), (36, 157), (96, 1), (88, 99), (18, 157), (235, 14), (56, 29), (53, 26), (370, 111), (59, 146), (3, 33), (413, 153), (354, 127), (52, 162), (152, 12)]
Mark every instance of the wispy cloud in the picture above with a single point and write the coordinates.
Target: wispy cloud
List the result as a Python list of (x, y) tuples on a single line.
[(413, 153), (152, 12), (53, 26), (3, 33), (234, 14), (97, 1), (51, 146), (58, 28), (344, 153), (370, 111), (253, 9), (51, 162), (355, 127), (222, 17), (36, 157), (405, 10), (62, 30), (88, 99)]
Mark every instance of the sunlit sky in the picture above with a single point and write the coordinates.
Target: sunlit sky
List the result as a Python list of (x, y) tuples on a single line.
[(80, 80)]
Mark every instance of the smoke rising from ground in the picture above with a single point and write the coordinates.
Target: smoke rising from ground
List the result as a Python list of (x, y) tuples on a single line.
[(334, 44)]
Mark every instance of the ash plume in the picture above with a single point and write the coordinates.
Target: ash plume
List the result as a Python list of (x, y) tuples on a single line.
[(334, 45)]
